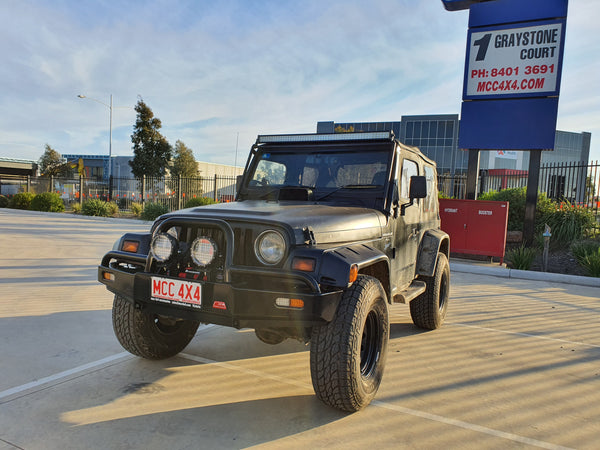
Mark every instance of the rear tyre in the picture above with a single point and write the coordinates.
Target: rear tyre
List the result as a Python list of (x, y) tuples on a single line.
[(347, 356), (149, 335), (428, 311)]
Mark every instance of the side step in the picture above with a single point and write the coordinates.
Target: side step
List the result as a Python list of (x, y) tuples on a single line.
[(416, 288)]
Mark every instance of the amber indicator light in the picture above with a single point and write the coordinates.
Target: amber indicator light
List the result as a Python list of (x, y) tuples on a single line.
[(303, 264), (130, 246)]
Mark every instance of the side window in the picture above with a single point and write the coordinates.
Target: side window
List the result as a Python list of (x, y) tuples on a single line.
[(409, 168), (428, 204)]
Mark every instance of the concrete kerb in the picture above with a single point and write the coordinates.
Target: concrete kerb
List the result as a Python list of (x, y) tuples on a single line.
[(497, 271)]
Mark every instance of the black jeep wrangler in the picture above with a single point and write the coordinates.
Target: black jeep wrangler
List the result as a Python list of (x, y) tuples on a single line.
[(328, 231)]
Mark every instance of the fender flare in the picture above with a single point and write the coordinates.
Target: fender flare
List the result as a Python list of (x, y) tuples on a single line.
[(433, 242), (336, 263)]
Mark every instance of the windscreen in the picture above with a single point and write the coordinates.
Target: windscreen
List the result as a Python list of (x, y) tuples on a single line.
[(321, 170), (329, 174)]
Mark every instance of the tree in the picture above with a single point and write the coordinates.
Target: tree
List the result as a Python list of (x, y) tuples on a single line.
[(151, 151), (184, 163), (52, 164)]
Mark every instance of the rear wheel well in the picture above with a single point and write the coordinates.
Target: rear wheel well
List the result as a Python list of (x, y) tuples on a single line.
[(379, 270), (445, 248)]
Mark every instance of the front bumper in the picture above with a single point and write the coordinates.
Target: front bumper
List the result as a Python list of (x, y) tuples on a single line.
[(227, 304)]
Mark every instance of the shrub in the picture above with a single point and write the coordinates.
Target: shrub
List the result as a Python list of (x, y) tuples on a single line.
[(47, 201), (22, 200), (587, 254), (521, 257), (136, 209), (95, 207), (3, 201), (516, 209), (569, 222), (76, 207), (153, 210), (122, 202), (584, 248), (591, 264), (113, 208), (199, 201)]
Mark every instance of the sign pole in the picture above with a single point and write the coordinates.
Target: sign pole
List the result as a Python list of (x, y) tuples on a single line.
[(533, 180), (472, 174)]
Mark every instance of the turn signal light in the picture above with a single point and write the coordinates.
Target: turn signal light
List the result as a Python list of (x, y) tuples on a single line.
[(303, 264), (130, 246), (108, 276), (353, 273), (289, 303)]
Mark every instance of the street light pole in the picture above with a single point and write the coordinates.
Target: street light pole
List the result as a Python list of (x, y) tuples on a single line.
[(110, 108)]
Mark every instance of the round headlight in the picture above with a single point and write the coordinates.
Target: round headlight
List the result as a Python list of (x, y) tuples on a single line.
[(203, 251), (270, 247), (162, 246)]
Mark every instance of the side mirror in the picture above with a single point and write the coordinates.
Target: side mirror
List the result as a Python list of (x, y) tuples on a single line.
[(418, 187)]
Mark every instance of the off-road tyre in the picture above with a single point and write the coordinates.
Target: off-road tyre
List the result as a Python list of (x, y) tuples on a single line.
[(428, 311), (347, 356), (148, 335)]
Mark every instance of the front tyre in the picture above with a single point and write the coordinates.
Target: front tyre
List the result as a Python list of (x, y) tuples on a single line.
[(429, 309), (148, 335), (347, 356)]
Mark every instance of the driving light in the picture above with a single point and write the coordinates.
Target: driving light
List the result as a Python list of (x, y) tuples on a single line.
[(203, 251), (163, 245), (270, 247)]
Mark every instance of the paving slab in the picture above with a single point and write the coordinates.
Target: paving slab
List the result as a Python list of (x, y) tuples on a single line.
[(517, 365)]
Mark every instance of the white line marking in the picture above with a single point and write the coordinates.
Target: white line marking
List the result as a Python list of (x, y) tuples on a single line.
[(517, 333), (469, 426), (74, 371), (389, 406), (60, 375)]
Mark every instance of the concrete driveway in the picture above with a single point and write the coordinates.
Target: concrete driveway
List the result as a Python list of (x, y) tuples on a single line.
[(517, 365)]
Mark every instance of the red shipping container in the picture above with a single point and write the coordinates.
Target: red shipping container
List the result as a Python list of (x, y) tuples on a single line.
[(475, 227)]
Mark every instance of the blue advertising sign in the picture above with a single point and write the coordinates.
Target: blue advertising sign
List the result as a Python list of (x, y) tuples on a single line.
[(512, 74), (521, 60)]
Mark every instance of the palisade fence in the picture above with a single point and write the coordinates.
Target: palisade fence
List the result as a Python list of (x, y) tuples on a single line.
[(173, 192), (577, 183)]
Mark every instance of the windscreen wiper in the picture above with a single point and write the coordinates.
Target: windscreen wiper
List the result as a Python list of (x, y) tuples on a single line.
[(347, 186)]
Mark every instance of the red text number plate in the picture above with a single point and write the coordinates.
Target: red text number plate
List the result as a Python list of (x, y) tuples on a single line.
[(178, 291)]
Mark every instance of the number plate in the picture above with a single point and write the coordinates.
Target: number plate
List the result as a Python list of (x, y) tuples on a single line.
[(176, 292)]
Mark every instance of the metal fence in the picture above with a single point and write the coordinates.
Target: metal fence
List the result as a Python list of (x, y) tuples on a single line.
[(173, 192), (575, 182)]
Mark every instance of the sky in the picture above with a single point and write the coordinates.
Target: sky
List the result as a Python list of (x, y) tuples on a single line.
[(218, 73)]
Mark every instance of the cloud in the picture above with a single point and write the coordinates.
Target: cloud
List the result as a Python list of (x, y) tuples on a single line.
[(213, 70)]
